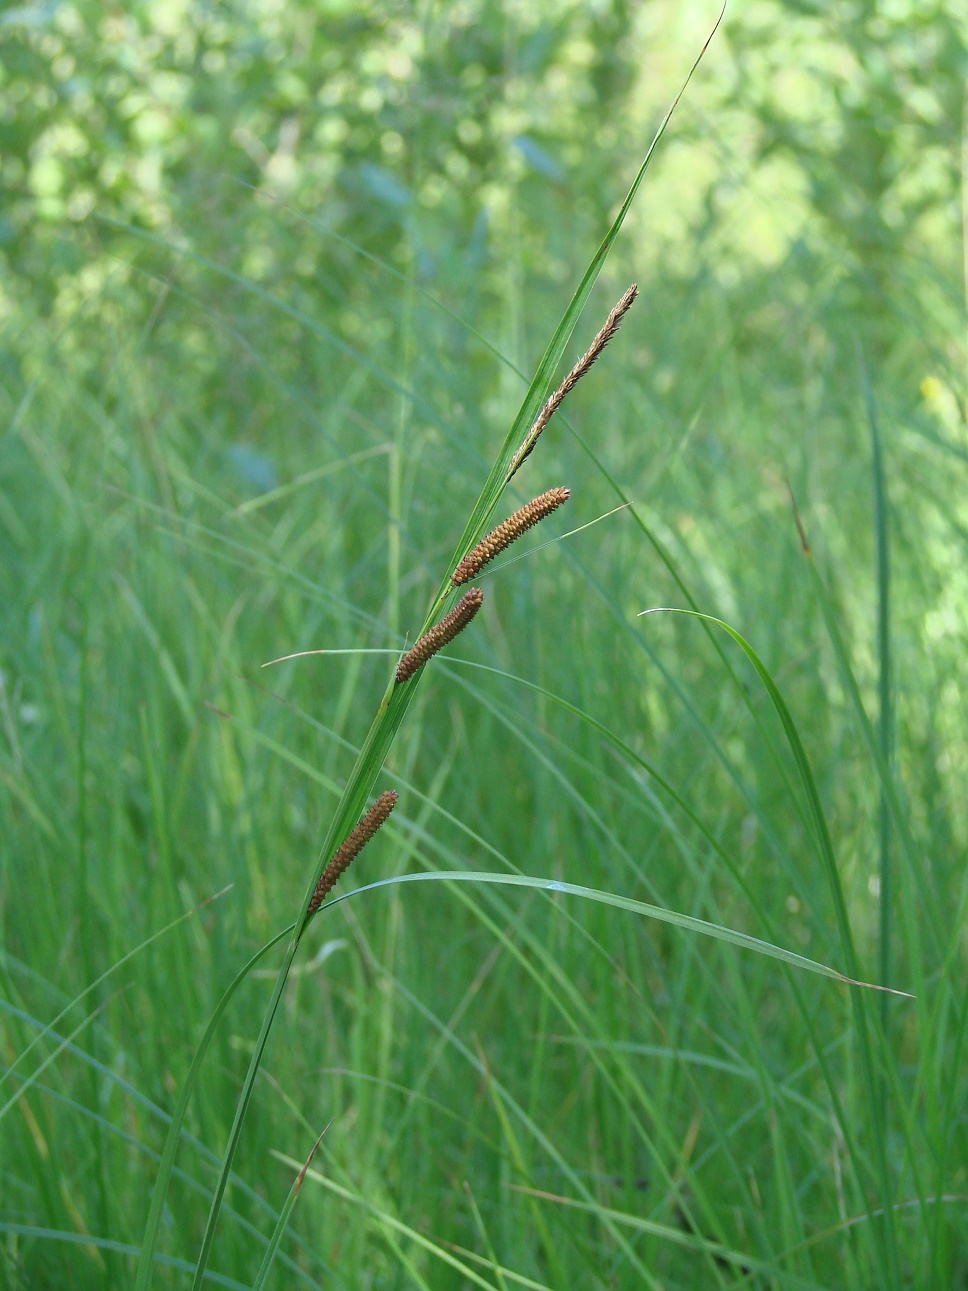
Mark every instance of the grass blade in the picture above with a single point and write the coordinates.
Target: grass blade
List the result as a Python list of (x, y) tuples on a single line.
[(885, 718), (742, 940), (917, 871), (149, 1240), (283, 1219)]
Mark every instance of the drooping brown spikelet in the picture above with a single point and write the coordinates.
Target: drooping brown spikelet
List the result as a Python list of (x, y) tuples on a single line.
[(513, 527), (554, 401), (440, 634), (352, 845)]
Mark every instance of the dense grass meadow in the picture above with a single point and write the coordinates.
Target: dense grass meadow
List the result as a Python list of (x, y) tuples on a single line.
[(274, 284)]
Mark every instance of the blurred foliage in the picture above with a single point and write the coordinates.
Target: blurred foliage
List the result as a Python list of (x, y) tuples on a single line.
[(360, 114), (867, 99), (354, 113)]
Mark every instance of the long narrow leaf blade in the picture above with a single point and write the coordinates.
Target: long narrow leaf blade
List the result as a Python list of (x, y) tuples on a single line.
[(150, 1239), (283, 1219), (742, 940)]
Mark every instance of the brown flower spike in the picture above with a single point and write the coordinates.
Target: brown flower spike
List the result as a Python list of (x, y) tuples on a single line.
[(513, 527), (440, 634), (553, 403), (351, 847)]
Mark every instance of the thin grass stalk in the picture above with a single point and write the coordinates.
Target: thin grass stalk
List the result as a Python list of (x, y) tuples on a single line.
[(885, 721), (916, 867), (884, 732), (241, 1108), (283, 1220), (729, 936), (83, 898), (395, 516), (930, 1002), (954, 1096), (942, 994), (145, 1268)]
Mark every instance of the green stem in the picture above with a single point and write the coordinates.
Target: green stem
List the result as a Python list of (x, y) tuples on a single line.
[(885, 715)]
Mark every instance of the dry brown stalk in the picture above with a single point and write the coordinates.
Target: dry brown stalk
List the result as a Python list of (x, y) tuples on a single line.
[(553, 403), (440, 634), (351, 847), (513, 527)]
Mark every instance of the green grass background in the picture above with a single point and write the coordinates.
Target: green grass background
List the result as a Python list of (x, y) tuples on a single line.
[(274, 280)]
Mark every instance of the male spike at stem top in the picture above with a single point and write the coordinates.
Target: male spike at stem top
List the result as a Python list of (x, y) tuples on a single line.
[(553, 403), (351, 847), (440, 634), (513, 527)]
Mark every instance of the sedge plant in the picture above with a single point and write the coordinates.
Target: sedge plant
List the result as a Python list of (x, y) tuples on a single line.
[(354, 823)]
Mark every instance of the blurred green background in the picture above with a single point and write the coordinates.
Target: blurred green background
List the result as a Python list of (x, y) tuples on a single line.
[(273, 278)]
